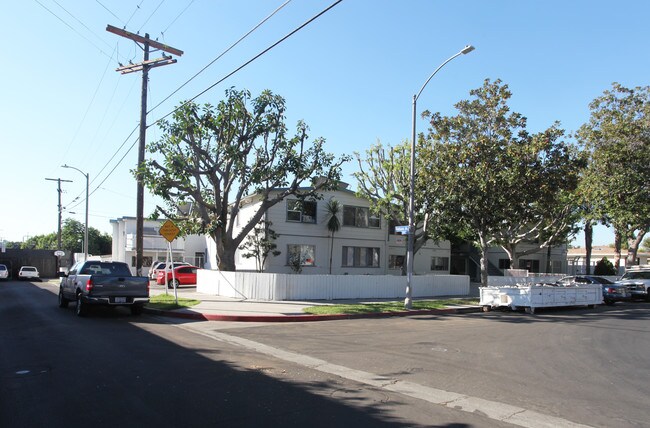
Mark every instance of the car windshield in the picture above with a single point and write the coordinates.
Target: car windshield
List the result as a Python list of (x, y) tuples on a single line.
[(636, 275)]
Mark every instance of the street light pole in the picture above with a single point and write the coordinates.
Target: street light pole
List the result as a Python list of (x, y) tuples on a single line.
[(86, 228), (411, 235)]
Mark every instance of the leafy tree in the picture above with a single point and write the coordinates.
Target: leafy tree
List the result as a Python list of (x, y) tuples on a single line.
[(72, 236), (333, 209), (618, 139), (492, 181), (384, 180), (604, 267), (259, 244), (548, 175), (213, 157)]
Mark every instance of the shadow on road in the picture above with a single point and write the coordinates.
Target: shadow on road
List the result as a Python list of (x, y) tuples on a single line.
[(111, 368)]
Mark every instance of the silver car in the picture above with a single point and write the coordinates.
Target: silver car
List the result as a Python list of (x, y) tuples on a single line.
[(4, 272)]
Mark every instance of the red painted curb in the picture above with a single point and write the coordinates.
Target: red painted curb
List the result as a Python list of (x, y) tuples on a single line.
[(304, 318)]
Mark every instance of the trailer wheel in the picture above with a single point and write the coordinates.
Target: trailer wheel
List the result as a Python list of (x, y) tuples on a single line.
[(530, 310), (487, 308)]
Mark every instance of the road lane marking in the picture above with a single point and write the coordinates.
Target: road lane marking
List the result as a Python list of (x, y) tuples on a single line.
[(475, 405)]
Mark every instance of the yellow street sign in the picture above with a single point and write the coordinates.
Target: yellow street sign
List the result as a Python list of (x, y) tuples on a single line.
[(169, 230)]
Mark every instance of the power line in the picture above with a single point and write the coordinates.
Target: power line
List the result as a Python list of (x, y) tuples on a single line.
[(201, 93), (177, 16), (221, 54), (73, 29), (92, 100), (111, 12), (137, 7), (82, 23), (249, 61), (152, 13)]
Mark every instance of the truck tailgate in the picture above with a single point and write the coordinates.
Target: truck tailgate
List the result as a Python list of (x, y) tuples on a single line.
[(119, 286)]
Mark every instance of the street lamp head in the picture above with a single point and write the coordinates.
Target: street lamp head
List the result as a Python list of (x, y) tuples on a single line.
[(467, 49)]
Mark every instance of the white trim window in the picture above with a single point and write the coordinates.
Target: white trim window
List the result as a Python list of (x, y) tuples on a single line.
[(360, 217), (440, 264), (301, 211), (360, 257), (396, 262), (303, 252)]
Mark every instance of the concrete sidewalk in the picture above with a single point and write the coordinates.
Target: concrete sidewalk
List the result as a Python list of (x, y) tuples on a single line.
[(218, 308)]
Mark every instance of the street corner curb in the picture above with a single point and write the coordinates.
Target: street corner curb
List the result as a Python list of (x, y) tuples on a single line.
[(198, 316)]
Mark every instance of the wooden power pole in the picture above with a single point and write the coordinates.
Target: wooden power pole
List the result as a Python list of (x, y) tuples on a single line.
[(144, 66), (58, 236)]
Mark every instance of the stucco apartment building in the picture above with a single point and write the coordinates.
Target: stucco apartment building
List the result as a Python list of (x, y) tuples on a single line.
[(364, 245)]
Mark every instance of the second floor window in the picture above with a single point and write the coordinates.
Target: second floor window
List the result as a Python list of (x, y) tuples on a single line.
[(360, 217), (301, 211)]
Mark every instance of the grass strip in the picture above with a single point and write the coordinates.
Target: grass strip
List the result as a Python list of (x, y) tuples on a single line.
[(167, 302), (366, 308)]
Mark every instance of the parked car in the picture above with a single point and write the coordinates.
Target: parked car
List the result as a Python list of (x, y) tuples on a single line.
[(4, 272), (183, 275), (158, 266), (637, 280), (28, 272), (612, 292)]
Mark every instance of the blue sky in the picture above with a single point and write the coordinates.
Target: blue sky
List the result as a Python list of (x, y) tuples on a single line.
[(350, 75)]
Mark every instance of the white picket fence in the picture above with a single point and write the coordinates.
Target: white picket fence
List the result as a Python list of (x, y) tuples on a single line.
[(277, 286)]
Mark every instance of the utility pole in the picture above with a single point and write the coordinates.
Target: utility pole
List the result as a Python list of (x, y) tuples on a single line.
[(58, 235), (144, 66), (58, 239)]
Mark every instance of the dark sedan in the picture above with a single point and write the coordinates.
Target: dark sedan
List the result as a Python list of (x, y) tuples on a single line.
[(612, 293)]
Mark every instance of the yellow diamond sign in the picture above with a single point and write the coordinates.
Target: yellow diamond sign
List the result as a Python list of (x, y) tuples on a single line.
[(169, 230)]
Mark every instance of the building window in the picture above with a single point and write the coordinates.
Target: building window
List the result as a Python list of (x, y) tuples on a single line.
[(440, 263), (396, 262), (529, 265), (301, 211), (556, 266), (199, 259), (360, 257), (504, 264), (360, 217), (305, 254)]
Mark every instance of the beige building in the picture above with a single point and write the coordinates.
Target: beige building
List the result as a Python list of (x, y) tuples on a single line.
[(576, 259)]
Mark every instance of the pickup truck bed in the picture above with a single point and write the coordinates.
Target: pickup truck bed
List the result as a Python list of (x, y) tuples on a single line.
[(103, 283)]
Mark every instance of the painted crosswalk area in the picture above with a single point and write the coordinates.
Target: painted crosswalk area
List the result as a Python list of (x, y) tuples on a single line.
[(490, 409)]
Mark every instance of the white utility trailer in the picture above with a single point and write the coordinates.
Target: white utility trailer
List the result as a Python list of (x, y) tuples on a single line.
[(531, 296)]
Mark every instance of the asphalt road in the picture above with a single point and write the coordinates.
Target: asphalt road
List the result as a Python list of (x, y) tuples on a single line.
[(567, 367)]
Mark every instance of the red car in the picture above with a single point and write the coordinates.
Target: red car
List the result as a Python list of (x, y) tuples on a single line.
[(183, 275)]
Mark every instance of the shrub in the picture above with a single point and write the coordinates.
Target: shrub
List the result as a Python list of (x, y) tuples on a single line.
[(604, 267)]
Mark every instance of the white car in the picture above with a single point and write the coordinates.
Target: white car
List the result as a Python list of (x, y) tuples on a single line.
[(28, 272), (4, 272)]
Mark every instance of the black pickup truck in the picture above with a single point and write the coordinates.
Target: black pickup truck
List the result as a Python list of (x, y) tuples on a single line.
[(103, 283)]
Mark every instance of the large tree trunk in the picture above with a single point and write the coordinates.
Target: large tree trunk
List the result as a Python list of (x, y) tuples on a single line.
[(617, 250), (227, 260), (484, 260), (589, 239), (633, 248), (548, 259)]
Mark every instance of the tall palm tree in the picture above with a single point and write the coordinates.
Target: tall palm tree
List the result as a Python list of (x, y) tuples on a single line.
[(333, 208)]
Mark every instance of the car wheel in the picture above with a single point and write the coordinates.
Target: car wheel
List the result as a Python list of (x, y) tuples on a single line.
[(173, 283), (647, 296), (80, 307), (63, 302), (609, 302), (136, 310)]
